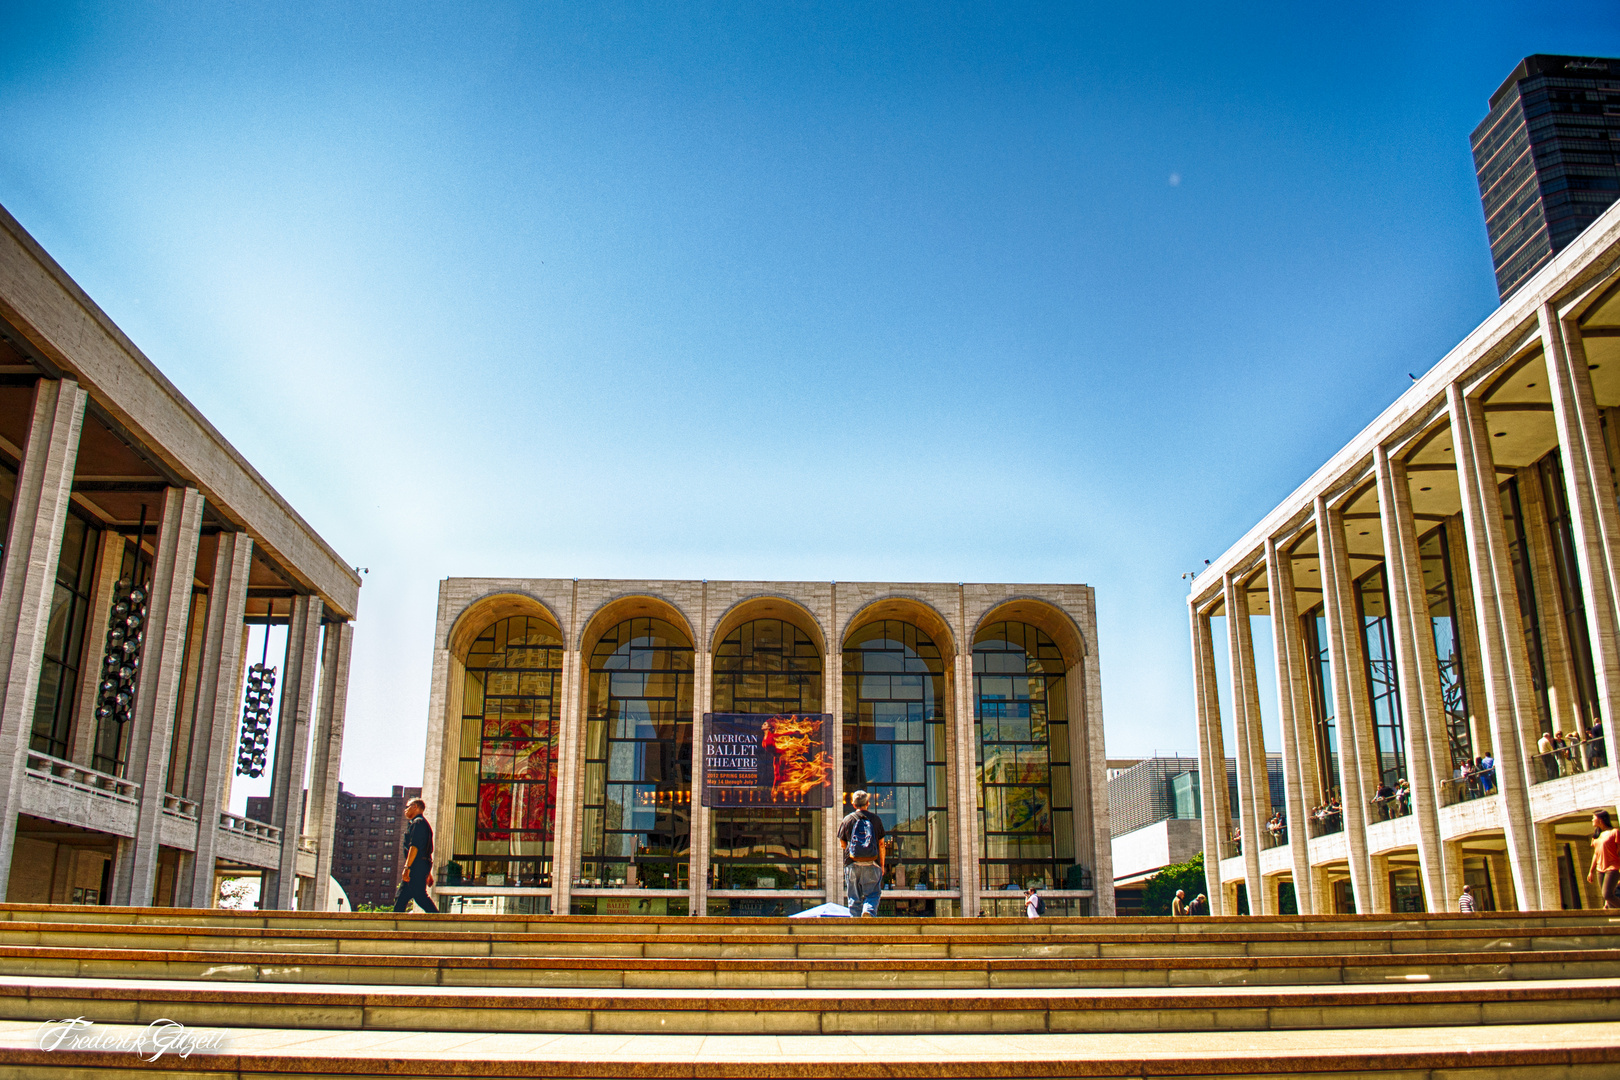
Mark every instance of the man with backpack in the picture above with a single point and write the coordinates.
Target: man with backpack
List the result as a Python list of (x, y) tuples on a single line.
[(860, 834)]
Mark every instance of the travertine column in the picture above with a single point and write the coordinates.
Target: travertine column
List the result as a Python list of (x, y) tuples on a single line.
[(1215, 806), (1351, 710), (219, 695), (1510, 699), (967, 774), (297, 691), (1589, 486), (1245, 719), (331, 706), (1100, 831), (28, 581), (1417, 669), (565, 831), (702, 826), (832, 681), (1293, 698), (174, 567)]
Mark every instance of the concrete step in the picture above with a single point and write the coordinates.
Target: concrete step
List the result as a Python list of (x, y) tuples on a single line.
[(966, 944), (871, 1012), (1568, 1051), (133, 916), (769, 973)]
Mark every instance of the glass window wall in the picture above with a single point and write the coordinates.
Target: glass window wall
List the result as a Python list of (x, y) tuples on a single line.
[(64, 637), (1021, 728), (894, 745), (1383, 688), (1434, 555), (638, 759), (506, 792), (1319, 667), (766, 666)]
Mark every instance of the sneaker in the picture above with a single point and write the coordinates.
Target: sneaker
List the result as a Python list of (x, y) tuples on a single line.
[(866, 914)]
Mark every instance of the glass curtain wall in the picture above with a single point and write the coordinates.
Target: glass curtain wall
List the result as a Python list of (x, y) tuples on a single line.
[(64, 637), (1319, 668), (111, 751), (894, 745), (1551, 470), (1434, 557), (1021, 729), (766, 666), (637, 824), (1382, 686), (1524, 585), (506, 790)]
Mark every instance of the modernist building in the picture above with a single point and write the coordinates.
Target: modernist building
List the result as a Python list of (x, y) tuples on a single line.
[(561, 775), (1548, 159), (119, 709), (1445, 590)]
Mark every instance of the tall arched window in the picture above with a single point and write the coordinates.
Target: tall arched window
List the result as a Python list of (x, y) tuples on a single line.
[(1021, 727), (638, 758), (766, 666), (506, 792), (894, 744)]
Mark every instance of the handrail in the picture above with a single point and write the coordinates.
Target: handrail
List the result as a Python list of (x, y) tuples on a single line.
[(1464, 788), (1325, 826), (103, 785), (249, 828)]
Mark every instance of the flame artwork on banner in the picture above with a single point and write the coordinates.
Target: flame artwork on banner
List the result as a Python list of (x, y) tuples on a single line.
[(766, 759)]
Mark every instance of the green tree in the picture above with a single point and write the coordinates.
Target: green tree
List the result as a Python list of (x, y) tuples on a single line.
[(1161, 888)]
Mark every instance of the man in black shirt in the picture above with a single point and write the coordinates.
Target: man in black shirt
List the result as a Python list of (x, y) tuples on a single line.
[(417, 873)]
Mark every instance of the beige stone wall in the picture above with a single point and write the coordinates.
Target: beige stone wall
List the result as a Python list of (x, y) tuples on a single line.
[(950, 613)]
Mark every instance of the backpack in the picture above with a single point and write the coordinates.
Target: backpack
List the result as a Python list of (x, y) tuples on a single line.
[(862, 843), (1040, 905)]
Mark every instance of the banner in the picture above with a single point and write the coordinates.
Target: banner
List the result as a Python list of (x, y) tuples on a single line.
[(766, 759)]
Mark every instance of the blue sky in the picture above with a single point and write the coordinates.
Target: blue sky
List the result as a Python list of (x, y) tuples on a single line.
[(918, 292)]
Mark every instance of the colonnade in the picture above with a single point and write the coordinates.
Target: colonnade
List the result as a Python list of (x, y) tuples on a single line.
[(1452, 405)]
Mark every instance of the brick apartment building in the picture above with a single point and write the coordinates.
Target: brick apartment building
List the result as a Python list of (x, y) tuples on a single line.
[(366, 851)]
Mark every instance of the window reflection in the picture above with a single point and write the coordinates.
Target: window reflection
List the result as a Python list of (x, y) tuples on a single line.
[(1434, 555), (1026, 817), (64, 637), (766, 666), (894, 745), (506, 801), (1382, 685), (638, 758)]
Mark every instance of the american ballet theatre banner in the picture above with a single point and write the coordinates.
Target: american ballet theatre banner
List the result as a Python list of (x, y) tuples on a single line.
[(766, 759)]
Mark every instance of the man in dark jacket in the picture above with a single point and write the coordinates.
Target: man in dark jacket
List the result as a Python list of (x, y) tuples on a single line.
[(860, 834), (417, 873)]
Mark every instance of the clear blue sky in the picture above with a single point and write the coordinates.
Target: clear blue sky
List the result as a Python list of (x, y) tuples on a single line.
[(929, 292)]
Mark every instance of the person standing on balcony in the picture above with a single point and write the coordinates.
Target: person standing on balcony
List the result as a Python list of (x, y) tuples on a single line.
[(417, 873)]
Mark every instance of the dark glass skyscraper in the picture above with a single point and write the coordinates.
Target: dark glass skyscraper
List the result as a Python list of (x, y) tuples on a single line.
[(1546, 158)]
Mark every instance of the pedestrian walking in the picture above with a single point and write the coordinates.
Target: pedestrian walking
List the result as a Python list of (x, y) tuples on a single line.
[(1178, 906), (1034, 906), (860, 834), (1199, 906), (416, 876), (1605, 870), (1465, 902)]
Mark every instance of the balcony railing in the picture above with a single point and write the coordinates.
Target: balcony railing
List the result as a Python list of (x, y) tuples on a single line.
[(247, 827), (1465, 788), (184, 808), (102, 785), (1326, 824), (1577, 757), (1270, 838), (307, 843), (1388, 809)]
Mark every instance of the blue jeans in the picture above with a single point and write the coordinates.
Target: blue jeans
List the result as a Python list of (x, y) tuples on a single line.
[(863, 882)]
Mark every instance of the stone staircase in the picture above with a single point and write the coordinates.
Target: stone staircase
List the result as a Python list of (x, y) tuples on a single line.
[(375, 995)]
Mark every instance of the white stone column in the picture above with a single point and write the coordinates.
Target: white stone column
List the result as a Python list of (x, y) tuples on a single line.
[(1352, 713), (219, 697), (1510, 698), (1589, 486), (565, 832), (832, 682), (1213, 793), (1245, 718), (967, 774), (1417, 669), (1293, 698), (702, 837), (1100, 833), (297, 693), (174, 567), (28, 582), (331, 706)]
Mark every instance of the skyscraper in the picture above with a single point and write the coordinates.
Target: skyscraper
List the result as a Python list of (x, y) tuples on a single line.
[(1546, 158)]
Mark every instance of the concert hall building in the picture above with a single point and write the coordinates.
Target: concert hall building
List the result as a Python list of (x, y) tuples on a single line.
[(563, 769), (1443, 601)]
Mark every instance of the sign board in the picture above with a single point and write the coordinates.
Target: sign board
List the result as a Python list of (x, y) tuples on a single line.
[(767, 759)]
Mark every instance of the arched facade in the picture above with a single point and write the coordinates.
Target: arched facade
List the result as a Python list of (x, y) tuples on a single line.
[(633, 666)]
